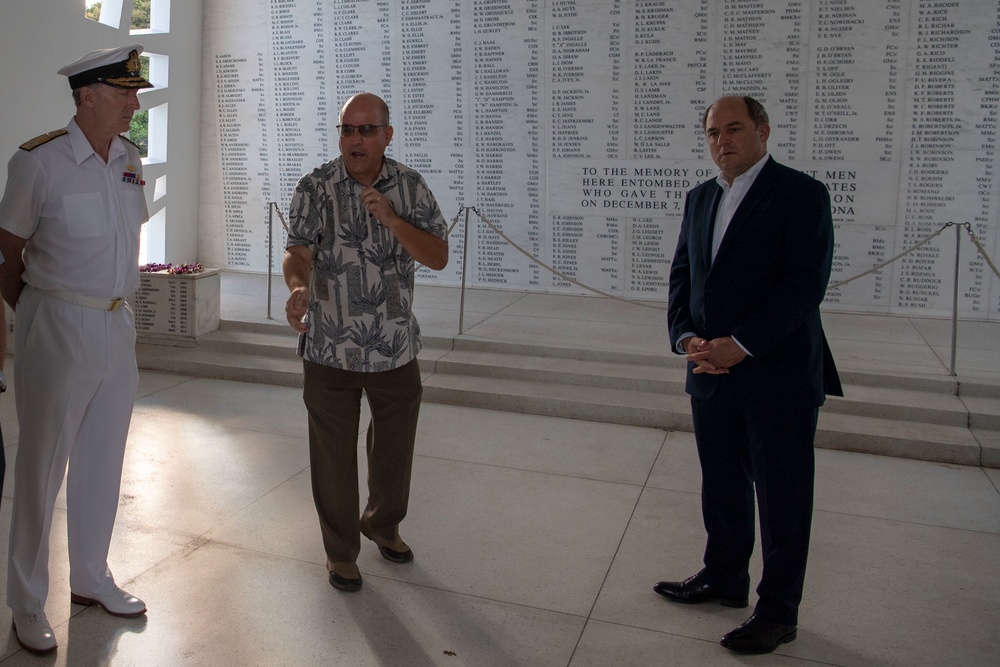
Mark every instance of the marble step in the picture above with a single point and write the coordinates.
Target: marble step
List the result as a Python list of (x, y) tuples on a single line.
[(938, 407), (574, 401), (873, 435), (906, 439), (919, 417), (262, 350), (238, 365)]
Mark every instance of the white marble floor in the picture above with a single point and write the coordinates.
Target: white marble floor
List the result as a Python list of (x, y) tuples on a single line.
[(537, 542), (537, 539)]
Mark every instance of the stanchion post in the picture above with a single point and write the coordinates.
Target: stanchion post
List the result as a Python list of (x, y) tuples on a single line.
[(954, 300), (465, 263), (270, 253)]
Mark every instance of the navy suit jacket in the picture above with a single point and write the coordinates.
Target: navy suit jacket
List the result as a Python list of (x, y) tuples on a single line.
[(764, 288)]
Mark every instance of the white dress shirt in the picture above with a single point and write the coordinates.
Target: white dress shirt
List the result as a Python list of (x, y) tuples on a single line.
[(732, 197)]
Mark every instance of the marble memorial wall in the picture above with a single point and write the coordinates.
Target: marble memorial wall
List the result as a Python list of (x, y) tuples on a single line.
[(574, 127)]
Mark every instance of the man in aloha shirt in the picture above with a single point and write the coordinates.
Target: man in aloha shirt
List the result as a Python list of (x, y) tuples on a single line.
[(357, 225)]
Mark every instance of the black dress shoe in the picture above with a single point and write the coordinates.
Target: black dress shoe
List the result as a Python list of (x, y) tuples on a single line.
[(758, 635), (694, 590), (345, 584)]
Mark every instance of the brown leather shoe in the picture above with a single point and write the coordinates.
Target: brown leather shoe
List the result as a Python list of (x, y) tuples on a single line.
[(348, 579), (344, 584), (758, 635), (694, 590), (398, 552), (396, 556)]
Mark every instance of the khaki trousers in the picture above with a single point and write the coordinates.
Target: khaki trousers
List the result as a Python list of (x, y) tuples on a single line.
[(333, 401)]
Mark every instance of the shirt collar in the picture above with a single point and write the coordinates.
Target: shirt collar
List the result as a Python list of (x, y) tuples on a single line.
[(745, 179), (388, 168), (82, 148)]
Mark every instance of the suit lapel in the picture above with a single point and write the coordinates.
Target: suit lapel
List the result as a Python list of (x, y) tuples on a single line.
[(708, 227)]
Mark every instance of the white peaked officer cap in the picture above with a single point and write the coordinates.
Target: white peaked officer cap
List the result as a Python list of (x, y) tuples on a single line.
[(119, 67)]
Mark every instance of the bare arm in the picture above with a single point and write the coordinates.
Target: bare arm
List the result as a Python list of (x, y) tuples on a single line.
[(296, 266), (11, 282)]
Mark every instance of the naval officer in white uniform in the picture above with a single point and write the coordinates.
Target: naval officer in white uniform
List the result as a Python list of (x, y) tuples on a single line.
[(69, 231)]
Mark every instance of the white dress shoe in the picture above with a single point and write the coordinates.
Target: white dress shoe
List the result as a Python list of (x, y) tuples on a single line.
[(116, 603), (34, 633)]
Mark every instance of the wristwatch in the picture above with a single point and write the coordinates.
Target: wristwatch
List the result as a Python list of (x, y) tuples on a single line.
[(3, 382)]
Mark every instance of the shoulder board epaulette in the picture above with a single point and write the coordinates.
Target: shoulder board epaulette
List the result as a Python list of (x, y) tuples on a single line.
[(130, 141), (42, 139)]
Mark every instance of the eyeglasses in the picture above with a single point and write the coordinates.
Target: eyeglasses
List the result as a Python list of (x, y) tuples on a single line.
[(365, 130)]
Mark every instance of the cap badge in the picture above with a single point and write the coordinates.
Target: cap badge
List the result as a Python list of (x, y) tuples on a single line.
[(133, 65)]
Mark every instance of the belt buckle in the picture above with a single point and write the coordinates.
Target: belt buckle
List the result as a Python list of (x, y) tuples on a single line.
[(116, 304)]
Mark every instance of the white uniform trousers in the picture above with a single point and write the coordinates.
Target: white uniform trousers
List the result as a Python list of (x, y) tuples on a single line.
[(75, 378)]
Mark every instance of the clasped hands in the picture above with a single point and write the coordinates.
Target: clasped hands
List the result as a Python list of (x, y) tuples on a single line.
[(715, 356)]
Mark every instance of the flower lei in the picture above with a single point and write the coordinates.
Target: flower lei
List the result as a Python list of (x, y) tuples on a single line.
[(180, 269)]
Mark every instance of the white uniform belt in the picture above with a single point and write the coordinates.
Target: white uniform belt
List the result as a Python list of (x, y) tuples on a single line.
[(99, 302)]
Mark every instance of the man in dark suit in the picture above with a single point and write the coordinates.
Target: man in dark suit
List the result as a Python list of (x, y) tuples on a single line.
[(751, 268)]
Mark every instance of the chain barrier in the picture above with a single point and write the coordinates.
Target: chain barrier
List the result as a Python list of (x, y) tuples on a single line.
[(281, 217), (968, 228), (878, 267), (546, 266), (982, 251), (454, 221), (272, 206)]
